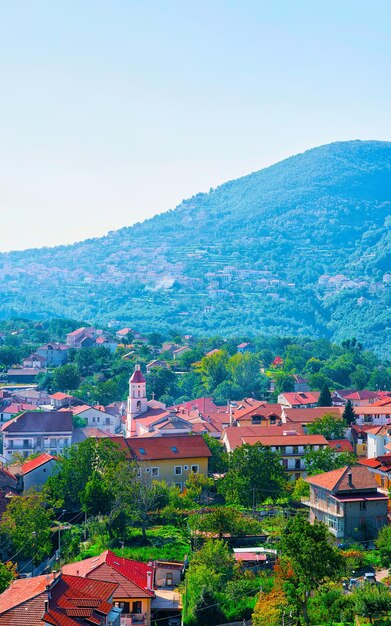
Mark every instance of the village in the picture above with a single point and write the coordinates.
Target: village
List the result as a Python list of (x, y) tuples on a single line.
[(154, 508)]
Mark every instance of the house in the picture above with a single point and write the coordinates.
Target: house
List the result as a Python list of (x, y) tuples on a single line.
[(59, 600), (359, 438), (245, 346), (299, 399), (97, 417), (8, 412), (341, 445), (308, 416), (179, 351), (357, 398), (369, 414), (380, 467), (106, 342), (378, 441), (23, 374), (133, 580), (37, 431), (348, 502), (169, 347), (256, 412), (300, 383), (54, 354), (291, 444), (35, 472), (123, 333), (172, 459), (82, 337), (35, 361), (156, 363)]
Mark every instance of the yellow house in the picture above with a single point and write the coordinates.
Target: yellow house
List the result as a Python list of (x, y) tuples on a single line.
[(171, 458), (134, 579)]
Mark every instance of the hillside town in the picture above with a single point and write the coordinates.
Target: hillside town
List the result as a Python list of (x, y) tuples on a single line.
[(148, 479)]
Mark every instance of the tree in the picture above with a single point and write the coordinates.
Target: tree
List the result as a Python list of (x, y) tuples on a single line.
[(27, 522), (66, 377), (91, 461), (254, 474), (244, 370), (329, 425), (218, 462), (325, 397), (213, 369), (306, 547), (207, 611), (217, 555), (224, 521), (372, 601), (7, 575), (161, 381), (349, 415), (383, 542), (326, 459)]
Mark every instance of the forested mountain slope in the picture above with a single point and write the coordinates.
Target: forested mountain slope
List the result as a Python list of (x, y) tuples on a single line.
[(302, 247)]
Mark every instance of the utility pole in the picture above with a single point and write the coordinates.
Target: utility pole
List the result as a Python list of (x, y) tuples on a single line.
[(85, 525), (59, 535)]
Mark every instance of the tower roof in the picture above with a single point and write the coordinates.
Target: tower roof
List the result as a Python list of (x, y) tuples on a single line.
[(137, 376)]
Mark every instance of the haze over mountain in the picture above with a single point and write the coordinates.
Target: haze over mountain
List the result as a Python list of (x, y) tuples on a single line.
[(300, 248)]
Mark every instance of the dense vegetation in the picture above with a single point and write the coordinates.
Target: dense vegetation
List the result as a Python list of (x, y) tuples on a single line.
[(212, 366), (251, 254)]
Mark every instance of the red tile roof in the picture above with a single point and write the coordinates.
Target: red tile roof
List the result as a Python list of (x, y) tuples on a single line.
[(23, 589), (305, 416), (337, 480), (170, 447), (301, 397), (43, 458), (130, 576), (18, 408), (341, 445), (204, 405), (235, 434), (60, 396)]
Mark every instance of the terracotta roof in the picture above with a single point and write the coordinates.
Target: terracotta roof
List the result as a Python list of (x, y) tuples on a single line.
[(18, 408), (310, 415), (39, 421), (130, 576), (235, 434), (203, 405), (364, 394), (257, 407), (288, 440), (43, 458), (60, 396), (341, 445), (337, 480), (23, 589), (301, 397), (170, 447), (76, 332), (372, 410)]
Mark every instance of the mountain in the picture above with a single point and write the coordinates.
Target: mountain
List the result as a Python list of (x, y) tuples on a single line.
[(299, 248)]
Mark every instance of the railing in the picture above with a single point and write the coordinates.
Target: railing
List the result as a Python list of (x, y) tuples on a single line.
[(133, 619)]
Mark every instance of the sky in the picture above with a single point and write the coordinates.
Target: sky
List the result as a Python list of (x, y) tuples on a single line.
[(112, 111)]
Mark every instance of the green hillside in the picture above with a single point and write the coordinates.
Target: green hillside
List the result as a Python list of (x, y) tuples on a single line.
[(299, 248)]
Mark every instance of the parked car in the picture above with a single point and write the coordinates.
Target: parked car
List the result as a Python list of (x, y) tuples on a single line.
[(370, 577)]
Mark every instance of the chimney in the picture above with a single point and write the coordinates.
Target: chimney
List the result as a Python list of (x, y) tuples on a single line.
[(149, 581), (350, 481), (137, 368)]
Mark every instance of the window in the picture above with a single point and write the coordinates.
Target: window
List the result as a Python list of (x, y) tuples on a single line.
[(136, 607), (178, 470), (297, 464), (295, 449), (142, 451), (155, 471), (185, 467), (107, 421), (169, 579), (363, 505), (138, 406), (53, 443), (194, 469), (174, 449)]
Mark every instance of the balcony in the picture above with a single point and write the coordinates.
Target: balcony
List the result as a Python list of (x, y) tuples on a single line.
[(133, 619), (320, 506)]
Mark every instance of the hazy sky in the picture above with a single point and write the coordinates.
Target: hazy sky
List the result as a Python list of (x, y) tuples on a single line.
[(113, 111)]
